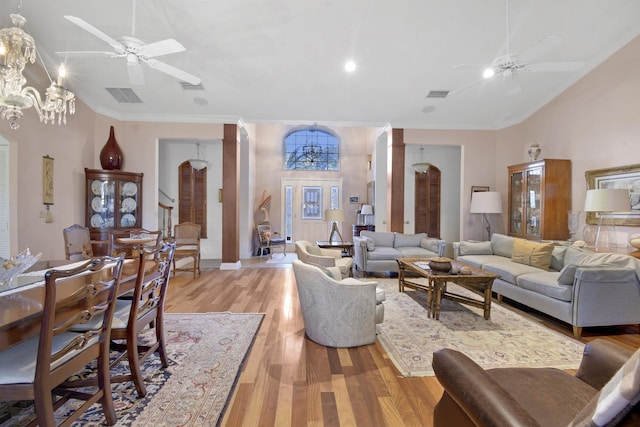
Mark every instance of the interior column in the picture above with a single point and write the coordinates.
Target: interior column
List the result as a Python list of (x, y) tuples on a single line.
[(395, 188), (230, 197)]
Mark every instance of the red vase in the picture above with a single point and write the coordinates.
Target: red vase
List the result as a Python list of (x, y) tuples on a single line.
[(111, 155)]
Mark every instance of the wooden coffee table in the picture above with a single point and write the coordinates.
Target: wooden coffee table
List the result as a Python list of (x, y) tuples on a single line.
[(346, 247), (479, 282)]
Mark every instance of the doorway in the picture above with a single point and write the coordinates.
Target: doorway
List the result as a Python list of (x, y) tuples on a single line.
[(427, 197)]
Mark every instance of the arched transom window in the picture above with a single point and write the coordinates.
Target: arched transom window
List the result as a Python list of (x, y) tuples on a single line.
[(311, 149)]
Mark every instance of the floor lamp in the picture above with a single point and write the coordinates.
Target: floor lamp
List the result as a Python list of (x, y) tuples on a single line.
[(604, 201), (335, 216), (486, 202)]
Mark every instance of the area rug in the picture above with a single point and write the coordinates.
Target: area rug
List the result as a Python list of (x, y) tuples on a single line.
[(280, 258), (206, 352), (507, 339)]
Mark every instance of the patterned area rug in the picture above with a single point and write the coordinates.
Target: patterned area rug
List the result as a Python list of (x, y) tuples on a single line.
[(206, 352), (505, 340)]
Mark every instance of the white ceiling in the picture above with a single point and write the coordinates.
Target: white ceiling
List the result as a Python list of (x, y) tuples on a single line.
[(281, 61)]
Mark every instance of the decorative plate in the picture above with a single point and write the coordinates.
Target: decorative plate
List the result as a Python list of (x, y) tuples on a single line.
[(97, 221), (96, 204), (129, 205), (128, 220), (129, 189), (96, 187)]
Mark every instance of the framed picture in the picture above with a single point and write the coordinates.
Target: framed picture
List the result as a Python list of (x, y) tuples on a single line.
[(311, 202), (354, 199), (47, 180), (478, 189), (627, 177)]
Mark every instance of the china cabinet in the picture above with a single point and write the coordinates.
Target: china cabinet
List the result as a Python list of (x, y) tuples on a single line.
[(113, 202), (539, 198)]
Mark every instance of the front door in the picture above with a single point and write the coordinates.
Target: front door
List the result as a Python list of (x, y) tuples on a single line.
[(304, 203)]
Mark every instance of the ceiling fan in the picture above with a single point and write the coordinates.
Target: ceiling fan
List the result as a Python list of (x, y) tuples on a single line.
[(135, 51), (509, 65)]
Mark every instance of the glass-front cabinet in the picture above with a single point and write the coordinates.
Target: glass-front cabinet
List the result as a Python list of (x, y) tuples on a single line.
[(539, 198), (113, 202)]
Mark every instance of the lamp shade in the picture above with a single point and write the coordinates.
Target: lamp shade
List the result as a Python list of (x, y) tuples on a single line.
[(366, 210), (607, 200), (486, 202), (334, 215)]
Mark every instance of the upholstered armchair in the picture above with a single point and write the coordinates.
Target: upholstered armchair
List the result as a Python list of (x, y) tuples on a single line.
[(310, 253), (337, 313), (604, 391)]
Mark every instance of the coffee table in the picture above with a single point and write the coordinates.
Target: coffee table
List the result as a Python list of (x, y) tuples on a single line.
[(479, 282), (346, 247)]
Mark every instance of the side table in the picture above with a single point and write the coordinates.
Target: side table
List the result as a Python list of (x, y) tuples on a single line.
[(347, 247)]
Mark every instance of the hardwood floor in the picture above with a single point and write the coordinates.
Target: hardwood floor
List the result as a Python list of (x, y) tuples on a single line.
[(289, 380)]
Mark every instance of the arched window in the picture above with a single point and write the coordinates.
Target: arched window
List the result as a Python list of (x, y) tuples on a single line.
[(311, 149)]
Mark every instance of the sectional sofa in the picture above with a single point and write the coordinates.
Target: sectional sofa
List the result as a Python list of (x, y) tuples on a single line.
[(377, 251), (574, 285)]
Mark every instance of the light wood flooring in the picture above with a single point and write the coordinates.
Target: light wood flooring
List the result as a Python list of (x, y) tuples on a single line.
[(289, 380)]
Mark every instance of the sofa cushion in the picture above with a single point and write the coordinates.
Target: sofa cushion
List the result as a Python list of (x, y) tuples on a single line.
[(403, 240), (557, 257), (502, 245), (371, 244), (381, 238), (480, 260), (508, 271), (383, 253), (545, 284), (532, 253), (333, 272), (568, 273), (415, 252), (429, 244), (475, 248)]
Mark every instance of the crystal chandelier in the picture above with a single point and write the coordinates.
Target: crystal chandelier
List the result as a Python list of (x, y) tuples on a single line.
[(17, 48), (312, 150)]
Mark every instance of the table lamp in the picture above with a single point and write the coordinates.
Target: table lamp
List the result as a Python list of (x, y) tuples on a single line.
[(365, 211), (486, 202), (604, 201), (334, 216)]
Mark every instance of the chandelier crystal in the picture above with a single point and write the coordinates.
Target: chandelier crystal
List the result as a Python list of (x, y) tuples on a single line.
[(17, 49), (312, 151)]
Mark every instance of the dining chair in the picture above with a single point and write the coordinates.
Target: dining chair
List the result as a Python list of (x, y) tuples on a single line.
[(77, 243), (39, 367), (117, 245), (145, 309), (266, 240), (187, 239)]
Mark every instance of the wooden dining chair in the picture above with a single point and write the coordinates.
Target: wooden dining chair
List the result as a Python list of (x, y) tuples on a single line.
[(39, 367), (77, 243), (187, 238), (116, 246), (145, 309)]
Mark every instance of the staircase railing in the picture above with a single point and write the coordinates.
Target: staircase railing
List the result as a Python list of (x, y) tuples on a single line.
[(165, 219)]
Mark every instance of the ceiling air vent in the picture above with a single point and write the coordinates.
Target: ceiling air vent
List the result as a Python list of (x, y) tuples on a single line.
[(438, 94), (189, 86), (124, 95)]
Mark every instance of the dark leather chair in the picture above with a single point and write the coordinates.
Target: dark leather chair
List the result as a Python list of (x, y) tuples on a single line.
[(527, 396)]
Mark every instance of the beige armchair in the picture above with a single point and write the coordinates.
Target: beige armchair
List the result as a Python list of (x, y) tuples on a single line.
[(310, 253), (338, 313)]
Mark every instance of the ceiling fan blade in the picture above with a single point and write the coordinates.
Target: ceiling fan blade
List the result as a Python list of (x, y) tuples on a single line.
[(173, 71), (163, 47), (539, 48), (463, 88), (540, 67), (136, 76), (96, 32)]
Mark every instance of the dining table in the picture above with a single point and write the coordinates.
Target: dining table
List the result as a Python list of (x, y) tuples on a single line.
[(21, 302)]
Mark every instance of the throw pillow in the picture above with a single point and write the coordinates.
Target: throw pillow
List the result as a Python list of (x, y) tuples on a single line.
[(429, 244), (568, 272), (404, 240), (557, 257), (314, 250), (475, 248), (371, 244), (502, 245), (616, 399), (329, 272), (532, 253)]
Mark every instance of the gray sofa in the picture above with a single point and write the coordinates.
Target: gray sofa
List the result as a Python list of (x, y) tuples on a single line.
[(578, 287), (377, 251)]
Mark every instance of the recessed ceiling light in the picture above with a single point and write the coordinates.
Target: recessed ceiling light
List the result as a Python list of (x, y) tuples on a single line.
[(350, 66), (429, 109), (200, 101)]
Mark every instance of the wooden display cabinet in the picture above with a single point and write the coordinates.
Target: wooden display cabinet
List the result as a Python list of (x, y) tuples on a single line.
[(539, 198), (113, 202)]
